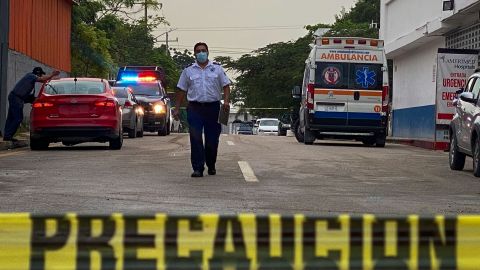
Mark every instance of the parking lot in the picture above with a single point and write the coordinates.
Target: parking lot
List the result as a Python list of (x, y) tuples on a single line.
[(260, 174)]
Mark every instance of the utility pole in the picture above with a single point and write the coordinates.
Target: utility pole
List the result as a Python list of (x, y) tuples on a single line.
[(166, 38), (4, 44)]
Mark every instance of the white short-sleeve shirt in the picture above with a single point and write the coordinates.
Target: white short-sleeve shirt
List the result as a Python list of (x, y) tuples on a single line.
[(203, 85)]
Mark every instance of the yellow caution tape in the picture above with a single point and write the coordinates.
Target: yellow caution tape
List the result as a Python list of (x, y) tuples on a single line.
[(247, 241)]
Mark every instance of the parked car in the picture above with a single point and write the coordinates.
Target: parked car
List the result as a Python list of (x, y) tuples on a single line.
[(73, 111), (132, 112), (267, 126), (465, 127), (151, 95), (245, 129), (284, 124)]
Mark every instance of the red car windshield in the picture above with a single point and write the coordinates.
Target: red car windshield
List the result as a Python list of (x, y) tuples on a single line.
[(74, 88)]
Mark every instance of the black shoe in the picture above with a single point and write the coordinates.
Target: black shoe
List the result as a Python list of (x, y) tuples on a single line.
[(212, 171), (197, 174)]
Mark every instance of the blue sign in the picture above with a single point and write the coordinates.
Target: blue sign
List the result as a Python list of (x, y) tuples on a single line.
[(366, 77)]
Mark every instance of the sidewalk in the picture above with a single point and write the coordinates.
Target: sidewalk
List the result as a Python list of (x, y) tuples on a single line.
[(23, 141)]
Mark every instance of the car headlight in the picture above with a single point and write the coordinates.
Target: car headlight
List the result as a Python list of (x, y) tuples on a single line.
[(159, 108), (140, 111)]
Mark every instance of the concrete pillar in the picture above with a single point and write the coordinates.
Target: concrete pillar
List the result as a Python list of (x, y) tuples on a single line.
[(4, 29)]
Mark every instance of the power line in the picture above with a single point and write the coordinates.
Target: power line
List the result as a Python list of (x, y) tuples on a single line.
[(234, 30), (242, 27), (215, 48)]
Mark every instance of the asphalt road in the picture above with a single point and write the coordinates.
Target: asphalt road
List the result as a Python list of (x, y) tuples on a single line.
[(152, 174)]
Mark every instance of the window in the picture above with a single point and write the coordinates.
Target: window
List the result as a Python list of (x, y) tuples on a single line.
[(476, 89), (144, 89), (120, 92), (74, 88)]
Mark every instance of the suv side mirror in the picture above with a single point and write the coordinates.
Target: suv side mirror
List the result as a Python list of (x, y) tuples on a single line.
[(467, 97), (459, 91), (297, 92)]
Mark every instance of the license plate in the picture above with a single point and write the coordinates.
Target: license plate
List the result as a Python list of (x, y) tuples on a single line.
[(331, 108)]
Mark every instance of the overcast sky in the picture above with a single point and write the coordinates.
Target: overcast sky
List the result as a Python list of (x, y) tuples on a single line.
[(235, 27)]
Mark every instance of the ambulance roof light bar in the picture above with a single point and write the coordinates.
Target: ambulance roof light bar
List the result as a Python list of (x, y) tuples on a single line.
[(350, 42)]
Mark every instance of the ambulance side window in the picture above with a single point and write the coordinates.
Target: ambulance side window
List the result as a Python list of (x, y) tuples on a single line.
[(306, 79)]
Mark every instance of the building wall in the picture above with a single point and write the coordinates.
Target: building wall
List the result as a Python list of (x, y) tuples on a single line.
[(39, 35), (41, 30), (414, 81), (405, 16)]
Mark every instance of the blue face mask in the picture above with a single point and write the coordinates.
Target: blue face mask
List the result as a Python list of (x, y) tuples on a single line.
[(202, 57)]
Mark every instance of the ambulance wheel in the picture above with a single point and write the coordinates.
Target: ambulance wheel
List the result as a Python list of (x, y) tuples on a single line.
[(380, 141), (370, 141), (297, 131), (309, 137)]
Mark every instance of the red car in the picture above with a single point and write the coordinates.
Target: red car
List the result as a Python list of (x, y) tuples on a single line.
[(76, 110)]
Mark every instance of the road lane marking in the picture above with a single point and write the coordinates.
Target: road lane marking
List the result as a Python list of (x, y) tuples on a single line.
[(247, 171), (12, 153), (230, 143)]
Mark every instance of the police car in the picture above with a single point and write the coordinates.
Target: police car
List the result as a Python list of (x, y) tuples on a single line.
[(147, 83), (344, 92)]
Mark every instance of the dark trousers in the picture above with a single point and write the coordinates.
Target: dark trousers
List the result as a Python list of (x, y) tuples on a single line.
[(203, 117), (14, 117)]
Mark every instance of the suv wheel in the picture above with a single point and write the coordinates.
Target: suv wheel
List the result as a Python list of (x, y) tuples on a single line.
[(476, 158), (456, 159)]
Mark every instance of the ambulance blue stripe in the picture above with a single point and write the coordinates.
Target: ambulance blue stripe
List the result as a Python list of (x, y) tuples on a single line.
[(345, 115), (338, 115), (370, 116)]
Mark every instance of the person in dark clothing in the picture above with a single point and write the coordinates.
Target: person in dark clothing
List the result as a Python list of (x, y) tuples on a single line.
[(203, 82), (22, 93)]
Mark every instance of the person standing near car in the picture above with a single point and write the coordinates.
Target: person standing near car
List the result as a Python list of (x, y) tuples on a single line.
[(22, 93), (203, 82)]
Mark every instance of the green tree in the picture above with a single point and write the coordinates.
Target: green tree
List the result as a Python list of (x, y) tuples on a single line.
[(105, 36), (183, 59)]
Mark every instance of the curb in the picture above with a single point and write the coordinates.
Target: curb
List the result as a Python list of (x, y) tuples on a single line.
[(10, 145), (425, 144)]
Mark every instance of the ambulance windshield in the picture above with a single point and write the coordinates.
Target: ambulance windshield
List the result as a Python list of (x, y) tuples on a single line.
[(349, 76)]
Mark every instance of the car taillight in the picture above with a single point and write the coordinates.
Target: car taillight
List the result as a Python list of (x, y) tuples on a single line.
[(310, 96), (108, 103), (42, 105), (385, 91)]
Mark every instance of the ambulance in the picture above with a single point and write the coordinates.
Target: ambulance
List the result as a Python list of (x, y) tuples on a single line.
[(344, 92)]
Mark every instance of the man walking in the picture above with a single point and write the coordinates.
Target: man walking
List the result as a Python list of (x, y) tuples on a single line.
[(203, 82), (22, 92)]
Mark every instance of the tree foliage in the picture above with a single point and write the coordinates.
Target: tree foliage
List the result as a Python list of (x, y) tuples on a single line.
[(106, 35)]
